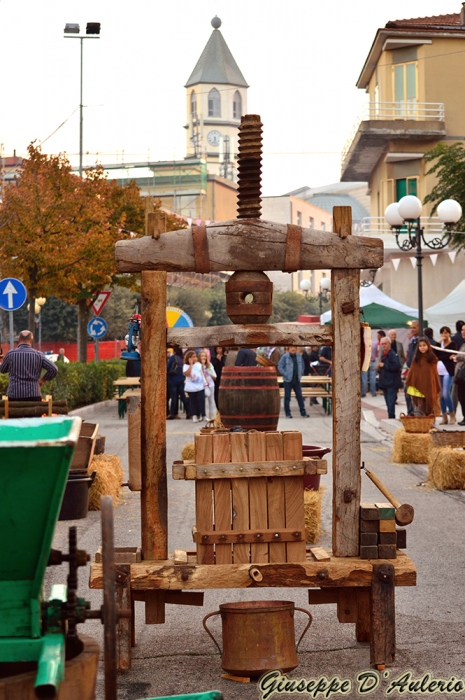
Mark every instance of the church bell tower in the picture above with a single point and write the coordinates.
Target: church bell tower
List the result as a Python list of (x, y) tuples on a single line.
[(216, 99)]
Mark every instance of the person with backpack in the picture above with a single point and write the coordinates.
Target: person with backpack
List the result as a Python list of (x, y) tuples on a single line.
[(176, 385)]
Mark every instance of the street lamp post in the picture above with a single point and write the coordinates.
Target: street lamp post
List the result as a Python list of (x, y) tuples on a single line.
[(72, 32), (323, 294), (404, 219)]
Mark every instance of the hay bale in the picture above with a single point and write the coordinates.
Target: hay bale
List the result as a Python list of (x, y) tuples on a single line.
[(312, 508), (446, 468), (411, 448), (188, 451), (107, 481)]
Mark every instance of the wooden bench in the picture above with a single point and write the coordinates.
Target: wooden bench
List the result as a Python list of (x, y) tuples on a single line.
[(314, 386), (121, 385)]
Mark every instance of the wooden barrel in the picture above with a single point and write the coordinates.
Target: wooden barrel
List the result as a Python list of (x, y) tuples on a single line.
[(249, 397)]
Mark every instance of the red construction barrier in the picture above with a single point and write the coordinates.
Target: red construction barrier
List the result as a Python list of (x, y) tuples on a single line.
[(108, 349)]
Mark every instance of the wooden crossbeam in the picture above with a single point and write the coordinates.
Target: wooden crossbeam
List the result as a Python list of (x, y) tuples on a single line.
[(234, 470), (248, 244), (219, 537), (253, 335)]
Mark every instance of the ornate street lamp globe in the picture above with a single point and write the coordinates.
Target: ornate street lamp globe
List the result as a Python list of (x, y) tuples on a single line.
[(305, 285), (410, 207), (392, 215), (325, 283), (449, 211)]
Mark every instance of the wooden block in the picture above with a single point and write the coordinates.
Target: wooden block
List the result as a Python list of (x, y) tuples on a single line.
[(383, 615), (220, 537), (276, 514), (184, 598), (363, 624), (319, 554), (387, 526), (238, 442), (368, 511), (347, 605), (258, 515), (274, 447), (387, 538), (256, 446), (178, 470), (204, 500), (154, 607), (292, 444), (368, 538), (322, 596), (134, 445), (387, 551), (401, 539), (295, 515), (369, 525), (240, 515), (370, 552), (221, 448), (386, 511)]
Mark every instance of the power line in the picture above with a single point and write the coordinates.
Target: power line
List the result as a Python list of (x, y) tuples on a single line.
[(59, 127)]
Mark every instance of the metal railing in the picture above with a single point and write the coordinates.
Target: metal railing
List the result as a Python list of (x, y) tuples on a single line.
[(377, 225), (394, 111)]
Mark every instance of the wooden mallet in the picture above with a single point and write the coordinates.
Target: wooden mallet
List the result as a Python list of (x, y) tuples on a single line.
[(404, 512)]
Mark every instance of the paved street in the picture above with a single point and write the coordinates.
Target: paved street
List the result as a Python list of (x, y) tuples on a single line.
[(179, 657)]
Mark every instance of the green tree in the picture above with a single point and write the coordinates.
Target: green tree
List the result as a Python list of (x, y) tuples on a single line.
[(449, 168), (118, 310), (193, 300)]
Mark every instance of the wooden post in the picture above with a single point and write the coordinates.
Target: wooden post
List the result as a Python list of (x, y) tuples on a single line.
[(383, 615), (345, 305), (154, 491), (134, 446), (125, 625)]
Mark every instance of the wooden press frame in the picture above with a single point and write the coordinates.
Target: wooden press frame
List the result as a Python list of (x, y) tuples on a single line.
[(362, 590)]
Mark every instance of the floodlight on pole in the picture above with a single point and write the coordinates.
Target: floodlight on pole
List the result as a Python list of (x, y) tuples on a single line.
[(72, 31)]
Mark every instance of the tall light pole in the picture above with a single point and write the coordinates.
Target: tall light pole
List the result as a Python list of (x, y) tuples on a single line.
[(72, 31), (404, 219), (323, 295)]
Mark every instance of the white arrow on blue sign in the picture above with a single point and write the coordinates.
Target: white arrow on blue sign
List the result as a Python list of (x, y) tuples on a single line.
[(13, 294), (97, 327)]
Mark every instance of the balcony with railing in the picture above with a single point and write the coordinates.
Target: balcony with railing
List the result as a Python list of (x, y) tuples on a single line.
[(380, 122), (377, 227)]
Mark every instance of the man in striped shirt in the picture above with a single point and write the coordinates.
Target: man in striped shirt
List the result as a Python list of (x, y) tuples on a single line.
[(24, 366)]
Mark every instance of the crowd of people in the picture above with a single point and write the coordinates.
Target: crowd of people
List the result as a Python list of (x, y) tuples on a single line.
[(430, 372), (194, 376)]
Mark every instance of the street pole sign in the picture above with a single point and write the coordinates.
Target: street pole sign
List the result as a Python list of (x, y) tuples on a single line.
[(100, 302), (97, 328), (13, 294)]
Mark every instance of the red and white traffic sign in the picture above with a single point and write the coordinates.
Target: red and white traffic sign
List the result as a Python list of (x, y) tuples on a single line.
[(100, 302)]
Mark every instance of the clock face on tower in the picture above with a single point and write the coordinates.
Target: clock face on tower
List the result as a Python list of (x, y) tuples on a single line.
[(214, 138)]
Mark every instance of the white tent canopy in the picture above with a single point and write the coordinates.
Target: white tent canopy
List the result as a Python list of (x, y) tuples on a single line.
[(447, 311), (374, 295)]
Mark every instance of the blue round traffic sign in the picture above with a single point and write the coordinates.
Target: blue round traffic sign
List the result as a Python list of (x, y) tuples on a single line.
[(97, 327), (13, 294)]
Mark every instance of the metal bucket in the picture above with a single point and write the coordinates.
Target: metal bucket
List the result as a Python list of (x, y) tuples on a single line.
[(258, 636)]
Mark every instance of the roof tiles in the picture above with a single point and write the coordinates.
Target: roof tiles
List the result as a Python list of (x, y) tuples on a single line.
[(450, 20)]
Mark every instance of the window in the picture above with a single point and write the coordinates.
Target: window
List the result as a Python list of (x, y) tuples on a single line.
[(311, 222), (405, 89), (237, 105), (193, 104), (214, 103), (323, 226), (406, 185), (299, 218)]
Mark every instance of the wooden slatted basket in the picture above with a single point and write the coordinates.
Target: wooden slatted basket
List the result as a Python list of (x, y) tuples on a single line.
[(417, 424), (448, 438)]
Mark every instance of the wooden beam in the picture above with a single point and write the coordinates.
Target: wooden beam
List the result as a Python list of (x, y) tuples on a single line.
[(165, 575), (253, 335), (345, 304), (248, 244), (219, 537), (383, 615), (230, 470), (154, 490)]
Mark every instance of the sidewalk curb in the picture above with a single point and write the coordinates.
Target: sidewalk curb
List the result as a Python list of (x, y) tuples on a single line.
[(87, 410)]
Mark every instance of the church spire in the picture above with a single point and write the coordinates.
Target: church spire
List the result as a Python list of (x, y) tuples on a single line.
[(216, 63)]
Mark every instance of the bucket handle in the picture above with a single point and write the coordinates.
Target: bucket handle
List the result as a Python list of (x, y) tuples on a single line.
[(204, 623), (306, 628)]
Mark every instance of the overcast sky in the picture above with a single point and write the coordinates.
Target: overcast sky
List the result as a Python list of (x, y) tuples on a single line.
[(301, 59)]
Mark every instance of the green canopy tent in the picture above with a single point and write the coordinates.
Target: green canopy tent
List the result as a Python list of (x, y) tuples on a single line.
[(379, 316)]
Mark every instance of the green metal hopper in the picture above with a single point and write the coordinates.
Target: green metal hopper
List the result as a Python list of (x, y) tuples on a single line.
[(35, 455)]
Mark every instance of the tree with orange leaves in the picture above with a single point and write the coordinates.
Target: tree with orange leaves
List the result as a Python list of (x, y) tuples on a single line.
[(58, 232)]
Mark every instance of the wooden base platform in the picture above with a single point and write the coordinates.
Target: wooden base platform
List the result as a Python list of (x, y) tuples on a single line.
[(362, 589)]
